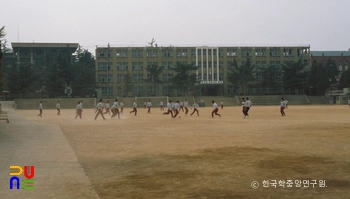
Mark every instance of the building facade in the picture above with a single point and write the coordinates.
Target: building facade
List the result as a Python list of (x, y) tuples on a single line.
[(114, 63), (341, 59), (37, 53)]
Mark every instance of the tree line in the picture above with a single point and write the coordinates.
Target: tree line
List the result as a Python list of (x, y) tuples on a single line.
[(291, 76)]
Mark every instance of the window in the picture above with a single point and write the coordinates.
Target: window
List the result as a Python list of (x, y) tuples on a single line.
[(103, 65), (107, 91), (167, 52), (214, 52), (122, 53), (246, 52), (231, 52), (152, 53), (221, 76), (199, 52), (167, 65), (193, 52), (137, 77), (122, 65), (340, 63), (101, 53), (287, 52), (275, 52), (137, 53), (221, 65), (102, 78), (137, 65), (260, 52), (263, 64), (121, 77), (221, 52), (152, 63), (181, 52), (302, 51)]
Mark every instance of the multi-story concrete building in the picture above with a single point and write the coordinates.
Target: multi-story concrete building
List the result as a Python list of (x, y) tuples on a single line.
[(36, 53), (113, 63), (341, 59)]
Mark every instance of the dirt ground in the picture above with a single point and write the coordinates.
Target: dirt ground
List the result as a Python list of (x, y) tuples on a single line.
[(154, 156)]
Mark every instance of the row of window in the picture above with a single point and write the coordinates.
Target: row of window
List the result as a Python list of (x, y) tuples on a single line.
[(138, 53), (139, 77), (232, 90), (169, 90), (139, 90), (123, 66)]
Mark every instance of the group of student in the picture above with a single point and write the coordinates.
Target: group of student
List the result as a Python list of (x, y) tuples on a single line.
[(174, 108), (114, 109), (58, 107), (246, 104)]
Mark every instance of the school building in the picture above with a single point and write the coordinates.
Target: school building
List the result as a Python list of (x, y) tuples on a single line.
[(37, 53), (113, 64)]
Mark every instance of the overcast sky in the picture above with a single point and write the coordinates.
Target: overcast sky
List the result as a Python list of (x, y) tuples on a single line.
[(322, 24)]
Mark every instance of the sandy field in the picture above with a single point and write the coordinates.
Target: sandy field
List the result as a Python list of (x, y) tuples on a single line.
[(155, 156)]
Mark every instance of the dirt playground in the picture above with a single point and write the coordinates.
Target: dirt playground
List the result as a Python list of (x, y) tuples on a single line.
[(303, 155)]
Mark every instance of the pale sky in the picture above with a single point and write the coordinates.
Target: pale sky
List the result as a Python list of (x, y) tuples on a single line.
[(322, 24)]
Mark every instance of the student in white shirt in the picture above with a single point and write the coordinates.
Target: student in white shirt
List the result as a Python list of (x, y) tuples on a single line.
[(41, 109), (58, 107), (77, 110), (149, 105), (215, 109), (161, 106), (222, 104), (107, 107), (182, 106), (176, 108), (144, 104), (283, 106), (195, 108), (99, 109), (186, 106), (170, 109), (247, 105), (134, 108), (115, 109)]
